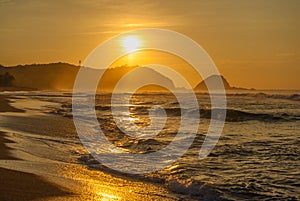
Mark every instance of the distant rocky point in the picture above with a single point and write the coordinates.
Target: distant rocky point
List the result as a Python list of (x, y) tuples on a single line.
[(213, 82)]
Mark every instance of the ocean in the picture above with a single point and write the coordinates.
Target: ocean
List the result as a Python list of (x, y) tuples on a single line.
[(257, 156)]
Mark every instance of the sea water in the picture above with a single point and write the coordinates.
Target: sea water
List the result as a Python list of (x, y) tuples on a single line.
[(256, 158)]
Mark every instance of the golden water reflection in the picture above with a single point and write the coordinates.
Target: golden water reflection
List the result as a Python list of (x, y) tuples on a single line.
[(87, 184), (107, 197)]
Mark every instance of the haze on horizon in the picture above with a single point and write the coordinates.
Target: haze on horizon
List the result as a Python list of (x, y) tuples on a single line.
[(253, 43)]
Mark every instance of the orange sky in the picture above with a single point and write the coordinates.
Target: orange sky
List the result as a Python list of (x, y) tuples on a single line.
[(253, 43)]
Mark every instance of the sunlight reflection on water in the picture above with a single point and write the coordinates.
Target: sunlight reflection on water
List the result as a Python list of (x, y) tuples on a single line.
[(107, 197)]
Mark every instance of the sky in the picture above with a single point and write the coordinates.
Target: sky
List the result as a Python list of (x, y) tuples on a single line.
[(254, 44)]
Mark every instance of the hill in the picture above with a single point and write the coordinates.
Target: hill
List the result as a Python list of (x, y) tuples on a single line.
[(61, 76), (43, 76), (212, 81)]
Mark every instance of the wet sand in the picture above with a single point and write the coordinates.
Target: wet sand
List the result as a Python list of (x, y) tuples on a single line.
[(54, 180), (16, 185), (4, 150), (6, 107)]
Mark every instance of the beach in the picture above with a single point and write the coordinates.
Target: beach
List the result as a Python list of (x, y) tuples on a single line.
[(18, 185), (256, 158), (33, 168)]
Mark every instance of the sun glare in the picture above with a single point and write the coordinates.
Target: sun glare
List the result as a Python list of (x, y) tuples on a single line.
[(131, 43)]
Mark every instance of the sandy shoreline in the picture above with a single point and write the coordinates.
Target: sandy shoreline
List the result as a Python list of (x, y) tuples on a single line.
[(4, 150), (16, 185), (6, 107), (48, 180)]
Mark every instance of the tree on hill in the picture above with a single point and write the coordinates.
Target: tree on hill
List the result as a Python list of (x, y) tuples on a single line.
[(6, 80)]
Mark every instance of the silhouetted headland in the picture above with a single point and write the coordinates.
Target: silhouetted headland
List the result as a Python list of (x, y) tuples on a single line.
[(213, 80), (61, 76)]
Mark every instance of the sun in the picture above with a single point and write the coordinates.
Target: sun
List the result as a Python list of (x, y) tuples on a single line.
[(131, 43)]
